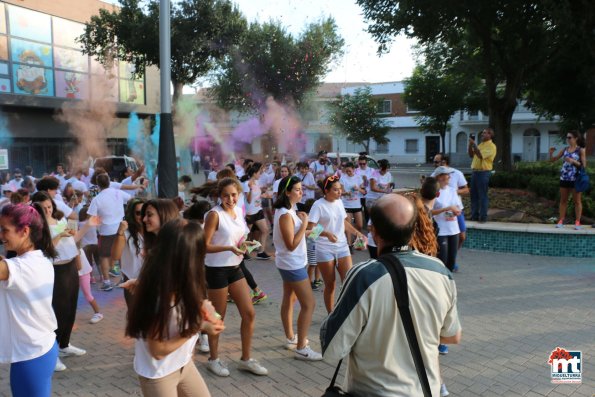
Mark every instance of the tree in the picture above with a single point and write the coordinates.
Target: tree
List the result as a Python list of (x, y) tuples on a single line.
[(201, 33), (437, 95), (270, 62), (356, 117), (500, 41)]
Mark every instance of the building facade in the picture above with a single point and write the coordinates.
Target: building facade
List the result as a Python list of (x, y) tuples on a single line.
[(48, 87)]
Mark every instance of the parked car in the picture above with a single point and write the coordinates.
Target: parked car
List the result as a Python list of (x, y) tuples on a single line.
[(353, 157), (116, 166)]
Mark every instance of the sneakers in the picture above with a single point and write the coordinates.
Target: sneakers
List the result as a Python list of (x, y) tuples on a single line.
[(229, 299), (577, 225), (319, 282), (59, 366), (443, 391), (315, 287), (72, 351), (203, 343), (217, 367), (115, 272), (443, 349), (107, 286), (560, 224), (307, 354), (291, 344), (252, 366), (455, 268), (258, 297), (263, 256), (97, 317)]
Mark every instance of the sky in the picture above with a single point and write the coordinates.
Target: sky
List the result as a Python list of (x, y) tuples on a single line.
[(360, 62)]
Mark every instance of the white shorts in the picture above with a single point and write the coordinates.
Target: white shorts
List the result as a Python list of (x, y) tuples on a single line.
[(337, 252)]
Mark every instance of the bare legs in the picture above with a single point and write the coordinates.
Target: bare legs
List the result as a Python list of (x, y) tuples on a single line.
[(303, 292)]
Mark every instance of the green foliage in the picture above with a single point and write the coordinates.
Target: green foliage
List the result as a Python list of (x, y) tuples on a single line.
[(355, 116), (270, 62), (201, 33)]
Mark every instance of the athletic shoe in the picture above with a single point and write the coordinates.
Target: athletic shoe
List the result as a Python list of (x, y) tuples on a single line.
[(559, 224), (115, 272), (203, 343), (59, 366), (577, 226), (107, 286), (315, 287), (263, 256), (455, 268), (307, 354), (97, 317), (443, 391), (72, 351), (217, 367), (258, 297), (253, 366), (229, 299), (291, 344), (443, 349), (93, 280), (319, 282)]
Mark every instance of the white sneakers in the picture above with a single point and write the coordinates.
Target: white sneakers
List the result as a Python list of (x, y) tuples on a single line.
[(307, 354), (253, 366), (97, 317), (59, 366), (217, 367), (203, 343), (291, 344), (72, 351), (443, 391)]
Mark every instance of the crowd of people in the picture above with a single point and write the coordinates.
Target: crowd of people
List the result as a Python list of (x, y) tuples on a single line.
[(180, 262)]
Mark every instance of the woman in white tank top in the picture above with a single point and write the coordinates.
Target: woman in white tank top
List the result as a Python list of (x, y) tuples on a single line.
[(225, 230)]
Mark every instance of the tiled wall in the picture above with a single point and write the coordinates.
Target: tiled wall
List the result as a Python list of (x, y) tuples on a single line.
[(578, 246)]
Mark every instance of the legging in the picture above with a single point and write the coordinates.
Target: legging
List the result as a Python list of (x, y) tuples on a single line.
[(447, 250), (64, 300), (249, 278), (33, 378), (85, 284), (184, 382)]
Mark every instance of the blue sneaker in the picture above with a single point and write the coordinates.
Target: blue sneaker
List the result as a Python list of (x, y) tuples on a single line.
[(443, 349), (115, 272), (455, 268)]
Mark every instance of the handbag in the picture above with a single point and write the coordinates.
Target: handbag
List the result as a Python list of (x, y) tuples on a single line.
[(399, 279), (582, 183)]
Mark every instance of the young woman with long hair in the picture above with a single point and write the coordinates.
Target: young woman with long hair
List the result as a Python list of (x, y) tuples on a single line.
[(381, 183), (353, 191), (154, 213), (26, 289), (289, 237), (168, 311), (331, 245), (574, 158), (254, 212), (225, 229), (66, 277), (128, 247)]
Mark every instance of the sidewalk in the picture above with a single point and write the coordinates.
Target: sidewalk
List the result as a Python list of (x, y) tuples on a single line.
[(515, 310)]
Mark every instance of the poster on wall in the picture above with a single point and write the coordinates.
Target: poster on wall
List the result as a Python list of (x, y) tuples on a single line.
[(4, 85), (132, 91), (2, 19), (32, 80), (66, 32), (4, 48), (72, 85), (70, 59), (23, 51), (29, 24)]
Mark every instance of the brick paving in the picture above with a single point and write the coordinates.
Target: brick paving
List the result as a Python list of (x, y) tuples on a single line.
[(515, 309)]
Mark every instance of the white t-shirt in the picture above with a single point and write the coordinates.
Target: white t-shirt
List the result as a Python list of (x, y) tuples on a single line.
[(131, 262), (317, 167), (147, 366), (447, 221), (109, 206), (66, 246), (62, 206), (266, 180), (62, 179), (331, 215), (255, 205), (77, 185), (87, 179), (89, 238), (368, 174), (27, 319), (85, 265), (229, 232), (15, 184), (276, 186), (351, 184), (212, 176), (382, 182), (457, 180), (371, 242), (284, 258), (307, 180)]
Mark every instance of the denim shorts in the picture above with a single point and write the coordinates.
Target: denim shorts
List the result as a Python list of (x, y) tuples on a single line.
[(332, 254), (292, 276)]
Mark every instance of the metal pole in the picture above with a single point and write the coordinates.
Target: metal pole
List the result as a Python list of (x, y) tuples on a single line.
[(167, 171)]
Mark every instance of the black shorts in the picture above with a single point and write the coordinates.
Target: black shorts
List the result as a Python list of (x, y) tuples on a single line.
[(105, 245), (353, 210), (221, 277), (567, 184), (267, 203), (251, 219)]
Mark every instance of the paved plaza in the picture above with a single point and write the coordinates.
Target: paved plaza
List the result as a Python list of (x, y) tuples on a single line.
[(515, 310)]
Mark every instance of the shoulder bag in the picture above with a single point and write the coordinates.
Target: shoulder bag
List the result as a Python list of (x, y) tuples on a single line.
[(581, 183), (399, 279)]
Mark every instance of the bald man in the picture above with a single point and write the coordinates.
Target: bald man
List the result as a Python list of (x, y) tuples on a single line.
[(364, 323)]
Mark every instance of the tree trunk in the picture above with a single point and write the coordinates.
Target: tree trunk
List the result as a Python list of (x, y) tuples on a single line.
[(500, 113), (366, 144), (178, 89)]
